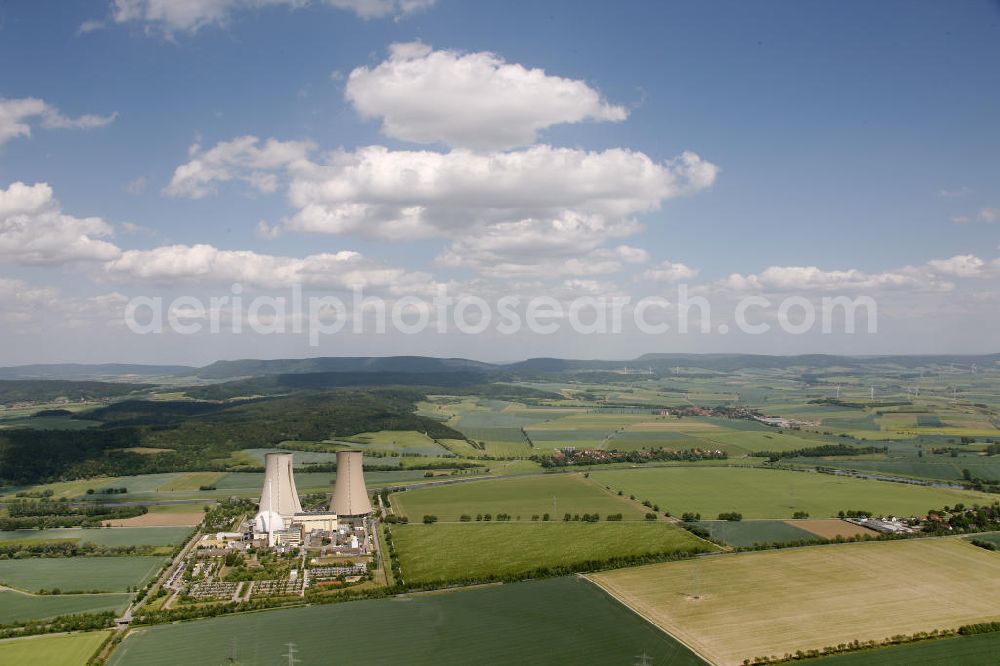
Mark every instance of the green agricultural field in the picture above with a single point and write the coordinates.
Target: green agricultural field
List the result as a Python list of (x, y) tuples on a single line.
[(736, 442), (590, 422), (326, 454), (248, 484), (750, 532), (105, 536), (477, 550), (460, 447), (506, 448), (190, 481), (136, 485), (929, 466), (522, 497), (991, 537), (733, 607), (105, 574), (557, 621), (769, 440), (499, 414), (977, 650), (179, 507), (495, 423), (769, 493), (185, 485), (860, 421), (402, 441), (49, 423), (629, 419), (16, 606), (60, 650)]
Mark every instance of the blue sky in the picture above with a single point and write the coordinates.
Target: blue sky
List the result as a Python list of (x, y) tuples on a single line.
[(848, 136)]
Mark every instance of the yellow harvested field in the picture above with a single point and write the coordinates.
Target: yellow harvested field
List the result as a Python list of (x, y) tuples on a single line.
[(832, 528), (731, 607)]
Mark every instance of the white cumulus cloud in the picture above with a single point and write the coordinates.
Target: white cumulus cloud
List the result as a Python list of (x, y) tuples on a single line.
[(670, 271), (389, 194), (22, 304), (173, 264), (244, 158), (17, 116), (988, 214), (469, 100), (34, 230), (524, 203), (962, 265), (170, 16), (814, 279), (543, 251)]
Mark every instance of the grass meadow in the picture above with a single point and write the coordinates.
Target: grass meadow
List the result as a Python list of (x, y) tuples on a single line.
[(554, 494), (16, 606), (105, 574), (401, 441), (769, 493), (477, 550), (58, 650), (750, 532), (105, 536)]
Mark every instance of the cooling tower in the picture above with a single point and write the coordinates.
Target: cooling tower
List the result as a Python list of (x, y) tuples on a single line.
[(350, 497), (279, 499)]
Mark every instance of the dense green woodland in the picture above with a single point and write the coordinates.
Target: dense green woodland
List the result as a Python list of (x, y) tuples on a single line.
[(202, 433), (27, 390), (456, 383)]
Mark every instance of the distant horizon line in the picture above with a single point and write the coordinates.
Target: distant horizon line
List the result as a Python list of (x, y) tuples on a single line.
[(500, 362)]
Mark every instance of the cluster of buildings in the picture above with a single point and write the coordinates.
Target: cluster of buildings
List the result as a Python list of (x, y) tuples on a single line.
[(338, 538), (884, 525), (280, 521), (570, 455)]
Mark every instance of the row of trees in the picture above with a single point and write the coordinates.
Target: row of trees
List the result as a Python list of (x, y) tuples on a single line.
[(859, 646), (81, 518), (61, 507), (605, 456), (821, 452), (22, 550), (77, 622)]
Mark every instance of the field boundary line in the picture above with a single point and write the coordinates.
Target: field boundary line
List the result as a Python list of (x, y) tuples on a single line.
[(645, 619), (7, 588)]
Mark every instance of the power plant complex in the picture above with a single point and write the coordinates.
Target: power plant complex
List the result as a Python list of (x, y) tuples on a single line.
[(285, 549), (280, 519)]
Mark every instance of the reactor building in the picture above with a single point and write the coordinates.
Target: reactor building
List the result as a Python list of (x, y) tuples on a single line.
[(350, 497)]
